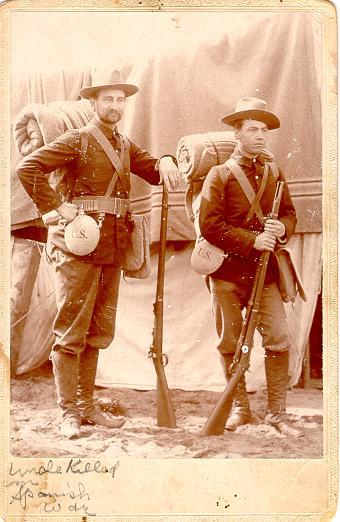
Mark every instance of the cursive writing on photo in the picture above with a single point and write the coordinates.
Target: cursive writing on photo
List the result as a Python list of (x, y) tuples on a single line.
[(27, 491), (78, 466)]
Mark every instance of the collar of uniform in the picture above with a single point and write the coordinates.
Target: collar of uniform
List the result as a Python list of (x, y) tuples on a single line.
[(243, 160), (105, 130)]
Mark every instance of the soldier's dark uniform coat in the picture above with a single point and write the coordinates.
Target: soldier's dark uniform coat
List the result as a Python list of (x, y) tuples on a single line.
[(86, 287), (223, 210), (84, 176)]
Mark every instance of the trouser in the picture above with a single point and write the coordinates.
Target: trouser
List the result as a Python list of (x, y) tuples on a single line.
[(228, 301), (86, 298)]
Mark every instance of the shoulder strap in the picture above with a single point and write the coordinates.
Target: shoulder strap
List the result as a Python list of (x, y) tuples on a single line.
[(126, 160), (242, 179), (112, 155), (224, 173), (189, 197), (246, 187), (256, 203), (192, 193), (274, 168)]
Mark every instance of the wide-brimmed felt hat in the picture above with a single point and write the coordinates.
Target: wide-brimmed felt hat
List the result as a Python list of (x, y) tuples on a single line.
[(252, 109), (102, 79)]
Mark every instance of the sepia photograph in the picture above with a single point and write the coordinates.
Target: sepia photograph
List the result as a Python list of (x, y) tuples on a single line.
[(170, 261)]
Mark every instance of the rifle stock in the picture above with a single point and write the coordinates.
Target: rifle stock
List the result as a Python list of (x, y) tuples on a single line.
[(216, 422), (165, 411)]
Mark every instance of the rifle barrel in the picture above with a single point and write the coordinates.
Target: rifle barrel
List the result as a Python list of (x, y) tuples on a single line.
[(165, 411)]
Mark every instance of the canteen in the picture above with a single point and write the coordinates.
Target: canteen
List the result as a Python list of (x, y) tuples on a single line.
[(206, 258), (82, 234)]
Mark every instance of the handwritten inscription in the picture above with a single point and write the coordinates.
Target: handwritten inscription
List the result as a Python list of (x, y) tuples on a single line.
[(24, 493), (27, 487), (78, 466)]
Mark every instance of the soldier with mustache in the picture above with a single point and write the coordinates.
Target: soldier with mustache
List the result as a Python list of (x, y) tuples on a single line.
[(87, 285)]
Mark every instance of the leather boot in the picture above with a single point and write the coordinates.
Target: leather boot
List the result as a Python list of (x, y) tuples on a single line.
[(276, 366), (240, 413), (65, 369), (87, 374)]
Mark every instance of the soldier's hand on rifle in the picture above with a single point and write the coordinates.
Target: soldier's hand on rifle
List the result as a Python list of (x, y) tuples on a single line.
[(265, 241), (274, 226), (169, 173)]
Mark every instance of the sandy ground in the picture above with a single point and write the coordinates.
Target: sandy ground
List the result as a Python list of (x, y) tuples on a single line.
[(34, 427)]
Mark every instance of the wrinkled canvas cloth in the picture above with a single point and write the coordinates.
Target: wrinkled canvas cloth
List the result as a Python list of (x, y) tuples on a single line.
[(169, 106)]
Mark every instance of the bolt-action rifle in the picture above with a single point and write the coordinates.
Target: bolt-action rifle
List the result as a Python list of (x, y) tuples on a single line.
[(216, 422), (165, 411)]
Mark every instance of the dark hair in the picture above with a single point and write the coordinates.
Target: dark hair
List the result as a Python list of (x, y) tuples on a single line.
[(238, 124), (93, 95)]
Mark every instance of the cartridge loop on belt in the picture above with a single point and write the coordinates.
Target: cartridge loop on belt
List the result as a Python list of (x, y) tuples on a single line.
[(103, 205)]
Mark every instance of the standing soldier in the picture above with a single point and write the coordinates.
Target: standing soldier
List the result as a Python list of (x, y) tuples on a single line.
[(87, 285), (227, 220)]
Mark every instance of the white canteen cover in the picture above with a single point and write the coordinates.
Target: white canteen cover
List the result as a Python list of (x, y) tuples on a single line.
[(82, 234), (206, 258)]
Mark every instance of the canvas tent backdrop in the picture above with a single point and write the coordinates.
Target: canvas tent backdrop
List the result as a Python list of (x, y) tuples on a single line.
[(185, 86)]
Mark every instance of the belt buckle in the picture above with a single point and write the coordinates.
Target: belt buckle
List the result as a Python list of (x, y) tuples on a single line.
[(92, 205)]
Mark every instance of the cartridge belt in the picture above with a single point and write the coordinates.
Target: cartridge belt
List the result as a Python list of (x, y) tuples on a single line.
[(103, 205)]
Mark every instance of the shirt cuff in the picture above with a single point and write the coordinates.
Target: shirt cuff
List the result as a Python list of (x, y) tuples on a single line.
[(51, 218), (165, 156), (157, 166)]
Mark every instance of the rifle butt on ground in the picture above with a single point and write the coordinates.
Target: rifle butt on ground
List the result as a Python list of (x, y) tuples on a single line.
[(216, 422), (165, 411)]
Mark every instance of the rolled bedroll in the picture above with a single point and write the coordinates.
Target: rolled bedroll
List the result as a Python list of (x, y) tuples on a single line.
[(38, 124)]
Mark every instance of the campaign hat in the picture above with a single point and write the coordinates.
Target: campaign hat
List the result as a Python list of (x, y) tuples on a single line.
[(252, 109), (103, 79)]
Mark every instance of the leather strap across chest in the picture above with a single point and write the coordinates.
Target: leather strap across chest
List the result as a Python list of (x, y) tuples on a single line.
[(107, 204), (253, 198), (116, 161)]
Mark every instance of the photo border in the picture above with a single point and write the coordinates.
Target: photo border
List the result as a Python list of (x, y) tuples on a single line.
[(330, 247)]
